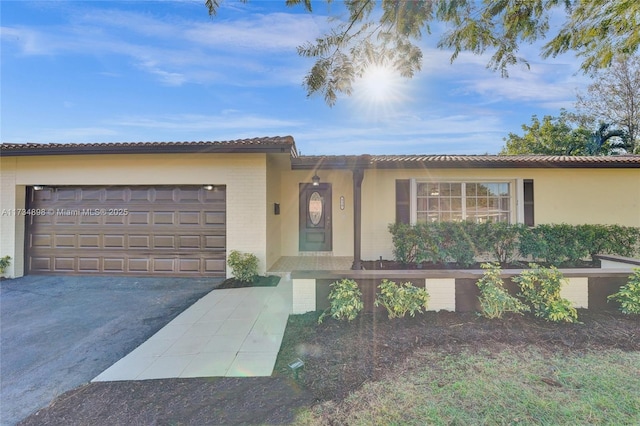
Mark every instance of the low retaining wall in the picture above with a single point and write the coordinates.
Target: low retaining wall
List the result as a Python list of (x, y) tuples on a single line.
[(453, 290)]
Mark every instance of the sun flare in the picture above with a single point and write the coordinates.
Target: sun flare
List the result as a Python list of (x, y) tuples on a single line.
[(380, 89)]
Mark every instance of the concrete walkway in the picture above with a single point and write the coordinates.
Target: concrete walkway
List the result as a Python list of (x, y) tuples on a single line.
[(230, 332)]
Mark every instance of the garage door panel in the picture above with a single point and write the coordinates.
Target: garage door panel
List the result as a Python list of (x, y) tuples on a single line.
[(114, 241), (89, 241), (139, 265), (65, 241), (168, 231), (64, 264), (40, 241), (213, 265), (214, 218), (163, 265), (89, 264), (139, 241), (164, 218), (65, 194), (191, 266), (40, 264), (164, 242), (215, 242), (189, 218), (139, 218), (189, 242), (91, 219), (115, 220), (62, 218)]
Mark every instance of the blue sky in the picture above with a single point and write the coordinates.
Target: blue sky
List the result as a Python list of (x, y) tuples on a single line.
[(140, 71)]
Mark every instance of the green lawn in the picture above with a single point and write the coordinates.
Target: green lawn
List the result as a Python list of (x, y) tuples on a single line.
[(501, 387)]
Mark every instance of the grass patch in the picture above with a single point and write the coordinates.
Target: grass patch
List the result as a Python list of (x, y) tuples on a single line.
[(521, 386)]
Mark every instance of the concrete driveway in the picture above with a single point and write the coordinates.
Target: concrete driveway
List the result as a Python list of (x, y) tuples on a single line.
[(57, 333)]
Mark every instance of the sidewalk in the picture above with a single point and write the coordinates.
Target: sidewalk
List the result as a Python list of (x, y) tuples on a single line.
[(229, 332)]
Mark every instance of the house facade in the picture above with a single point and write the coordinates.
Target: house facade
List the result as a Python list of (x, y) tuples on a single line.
[(178, 209)]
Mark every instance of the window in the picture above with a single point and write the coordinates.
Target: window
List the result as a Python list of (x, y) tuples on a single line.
[(458, 201)]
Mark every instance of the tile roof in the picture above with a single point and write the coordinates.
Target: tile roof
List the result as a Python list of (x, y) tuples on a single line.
[(284, 144), (465, 161)]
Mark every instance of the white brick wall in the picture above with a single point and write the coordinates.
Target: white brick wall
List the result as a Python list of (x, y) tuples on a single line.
[(442, 294), (304, 296), (576, 290)]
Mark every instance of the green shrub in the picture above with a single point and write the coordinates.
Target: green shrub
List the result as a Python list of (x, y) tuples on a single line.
[(540, 287), (499, 239), (457, 242), (400, 299), (244, 266), (430, 244), (629, 294), (346, 301), (553, 244), (4, 263), (494, 299), (405, 242)]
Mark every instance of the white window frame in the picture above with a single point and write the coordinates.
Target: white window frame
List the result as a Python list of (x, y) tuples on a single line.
[(516, 191)]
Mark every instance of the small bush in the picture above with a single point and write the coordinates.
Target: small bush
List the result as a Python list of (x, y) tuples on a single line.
[(4, 263), (494, 299), (244, 266), (540, 287), (400, 299), (499, 239), (346, 301), (629, 295)]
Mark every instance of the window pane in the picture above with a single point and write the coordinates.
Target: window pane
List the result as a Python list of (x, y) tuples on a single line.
[(493, 189), (445, 189), (494, 203), (422, 189), (433, 204), (433, 189), (445, 204), (422, 204), (471, 203), (456, 204), (471, 189), (504, 204), (456, 189), (421, 217), (504, 189)]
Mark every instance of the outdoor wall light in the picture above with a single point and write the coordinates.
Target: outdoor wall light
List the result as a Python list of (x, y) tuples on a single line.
[(38, 187), (316, 180), (207, 187)]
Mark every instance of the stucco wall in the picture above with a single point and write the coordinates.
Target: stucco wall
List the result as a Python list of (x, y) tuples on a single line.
[(276, 163), (574, 196), (342, 220), (243, 174)]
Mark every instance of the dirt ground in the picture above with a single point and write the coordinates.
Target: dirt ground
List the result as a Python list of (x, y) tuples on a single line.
[(339, 357)]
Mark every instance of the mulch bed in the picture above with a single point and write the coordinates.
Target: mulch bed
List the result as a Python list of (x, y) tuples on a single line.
[(260, 281), (339, 357)]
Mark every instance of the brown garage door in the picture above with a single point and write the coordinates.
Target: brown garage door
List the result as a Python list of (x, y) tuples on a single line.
[(134, 230)]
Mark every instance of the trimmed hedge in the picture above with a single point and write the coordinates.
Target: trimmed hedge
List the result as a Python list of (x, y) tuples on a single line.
[(463, 242)]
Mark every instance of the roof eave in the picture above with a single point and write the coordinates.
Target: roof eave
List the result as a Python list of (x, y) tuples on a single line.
[(168, 149)]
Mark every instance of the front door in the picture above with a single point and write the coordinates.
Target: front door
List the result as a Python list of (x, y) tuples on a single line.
[(315, 217)]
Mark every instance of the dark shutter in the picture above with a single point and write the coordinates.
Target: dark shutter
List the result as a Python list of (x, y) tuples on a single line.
[(403, 201), (528, 202)]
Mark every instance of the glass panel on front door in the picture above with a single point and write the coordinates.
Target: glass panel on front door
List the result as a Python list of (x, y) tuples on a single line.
[(315, 208)]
